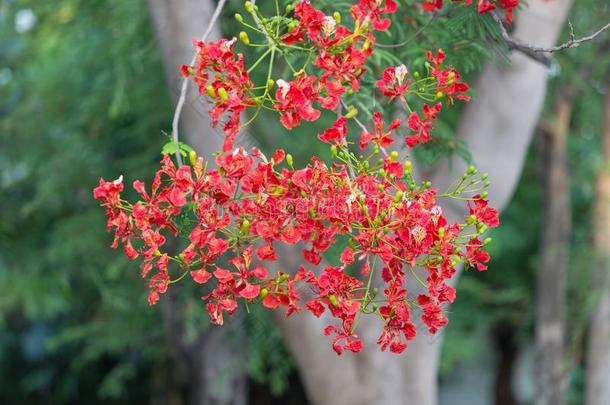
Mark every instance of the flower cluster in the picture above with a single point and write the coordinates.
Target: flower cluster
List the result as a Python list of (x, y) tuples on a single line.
[(484, 6), (393, 226), (251, 203)]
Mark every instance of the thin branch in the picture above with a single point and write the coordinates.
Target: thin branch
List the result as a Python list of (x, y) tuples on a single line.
[(411, 38), (538, 52), (185, 81)]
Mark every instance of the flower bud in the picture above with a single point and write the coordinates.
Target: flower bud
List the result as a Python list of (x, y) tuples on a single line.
[(375, 291), (333, 300), (381, 172), (223, 94), (270, 84), (289, 8), (283, 278), (484, 194), (337, 17), (416, 75), (484, 176), (471, 170), (289, 159), (408, 168), (245, 226), (248, 6), (210, 91), (243, 36), (472, 219), (427, 184), (351, 112), (333, 150), (439, 95), (441, 232), (393, 156), (264, 293), (193, 157), (487, 241), (376, 150), (292, 25), (157, 253), (481, 228), (486, 184), (239, 18), (398, 196)]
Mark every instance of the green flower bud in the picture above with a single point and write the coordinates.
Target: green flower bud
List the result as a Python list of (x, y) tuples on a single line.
[(427, 184), (292, 25), (471, 170), (408, 167), (439, 95), (333, 300), (398, 196), (245, 226), (210, 91), (264, 292), (393, 156), (243, 36), (248, 6), (192, 157), (337, 17), (239, 18), (333, 150), (487, 241), (416, 75), (484, 194), (351, 112), (381, 172), (270, 84), (289, 8), (484, 176), (289, 160), (223, 94), (441, 232), (472, 219)]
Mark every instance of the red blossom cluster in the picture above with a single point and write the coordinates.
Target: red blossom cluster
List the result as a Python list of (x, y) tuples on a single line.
[(484, 6), (250, 203)]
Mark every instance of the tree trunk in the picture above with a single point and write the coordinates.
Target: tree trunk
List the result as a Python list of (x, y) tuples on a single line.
[(210, 365), (598, 351), (551, 281), (497, 126)]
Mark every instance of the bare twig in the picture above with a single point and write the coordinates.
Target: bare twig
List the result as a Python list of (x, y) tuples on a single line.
[(538, 52), (185, 81)]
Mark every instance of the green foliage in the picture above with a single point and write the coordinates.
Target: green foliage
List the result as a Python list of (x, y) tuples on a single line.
[(84, 100)]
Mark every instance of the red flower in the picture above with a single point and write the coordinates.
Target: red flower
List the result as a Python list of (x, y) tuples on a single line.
[(335, 135), (372, 10), (485, 214), (392, 83), (422, 126), (475, 256), (380, 137), (295, 100)]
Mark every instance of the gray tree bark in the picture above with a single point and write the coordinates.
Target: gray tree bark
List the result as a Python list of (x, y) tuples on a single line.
[(497, 126), (552, 273), (598, 351), (210, 365)]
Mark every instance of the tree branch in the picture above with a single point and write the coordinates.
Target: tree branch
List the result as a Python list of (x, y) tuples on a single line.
[(185, 82), (537, 53)]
